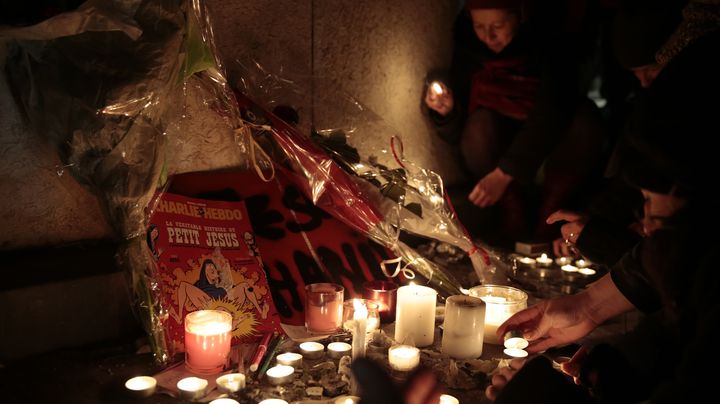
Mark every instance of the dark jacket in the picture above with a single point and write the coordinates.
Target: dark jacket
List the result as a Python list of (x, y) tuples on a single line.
[(548, 60)]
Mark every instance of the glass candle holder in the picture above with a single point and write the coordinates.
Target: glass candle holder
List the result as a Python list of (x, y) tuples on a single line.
[(323, 307), (207, 340), (501, 302), (463, 327), (373, 316), (385, 294)]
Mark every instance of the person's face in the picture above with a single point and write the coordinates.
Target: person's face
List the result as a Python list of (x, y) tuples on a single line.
[(495, 27), (211, 273), (658, 207), (647, 74)]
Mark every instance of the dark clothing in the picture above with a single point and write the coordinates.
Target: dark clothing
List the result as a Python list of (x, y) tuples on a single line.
[(534, 76)]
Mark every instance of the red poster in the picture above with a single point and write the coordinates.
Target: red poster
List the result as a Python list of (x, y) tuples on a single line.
[(207, 258)]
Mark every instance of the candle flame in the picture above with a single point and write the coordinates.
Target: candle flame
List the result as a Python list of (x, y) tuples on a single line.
[(436, 88), (361, 311)]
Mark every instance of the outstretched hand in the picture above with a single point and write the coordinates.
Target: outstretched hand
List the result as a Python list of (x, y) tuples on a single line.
[(502, 377), (490, 188), (441, 102)]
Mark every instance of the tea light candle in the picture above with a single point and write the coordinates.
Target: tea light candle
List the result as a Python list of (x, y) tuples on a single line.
[(448, 399), (207, 340), (403, 357), (415, 323), (141, 386), (526, 261), (587, 271), (224, 401), (231, 382), (347, 400), (337, 350), (192, 388), (290, 359), (544, 260), (385, 294), (280, 374), (312, 350), (436, 88), (560, 261), (514, 339), (581, 263), (515, 352), (569, 268), (463, 327), (273, 401), (501, 302)]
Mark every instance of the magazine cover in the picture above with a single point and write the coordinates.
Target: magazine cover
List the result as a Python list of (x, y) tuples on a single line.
[(207, 259)]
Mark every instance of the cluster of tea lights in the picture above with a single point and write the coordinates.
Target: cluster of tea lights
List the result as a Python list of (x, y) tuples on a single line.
[(566, 264)]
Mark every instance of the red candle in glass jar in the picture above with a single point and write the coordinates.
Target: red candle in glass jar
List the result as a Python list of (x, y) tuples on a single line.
[(207, 340), (385, 294)]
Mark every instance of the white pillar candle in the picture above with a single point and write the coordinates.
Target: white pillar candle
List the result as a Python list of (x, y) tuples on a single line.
[(337, 350), (415, 323), (359, 329), (192, 388), (312, 350), (290, 359), (141, 386), (230, 383), (280, 374), (501, 302), (448, 399), (403, 357), (463, 327)]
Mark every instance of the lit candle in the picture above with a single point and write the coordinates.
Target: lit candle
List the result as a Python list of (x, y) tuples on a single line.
[(526, 261), (514, 339), (373, 318), (403, 357), (231, 382), (337, 350), (560, 261), (273, 401), (463, 327), (280, 374), (501, 302), (290, 359), (192, 388), (436, 88), (448, 399), (323, 307), (569, 268), (515, 352), (587, 271), (141, 386), (581, 263), (207, 340), (347, 400), (415, 324), (385, 294), (224, 401), (544, 260), (359, 329), (312, 350)]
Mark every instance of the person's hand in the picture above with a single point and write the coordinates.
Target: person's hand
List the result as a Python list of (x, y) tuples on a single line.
[(502, 377), (570, 231), (490, 188), (422, 388), (573, 366), (440, 102), (552, 322)]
